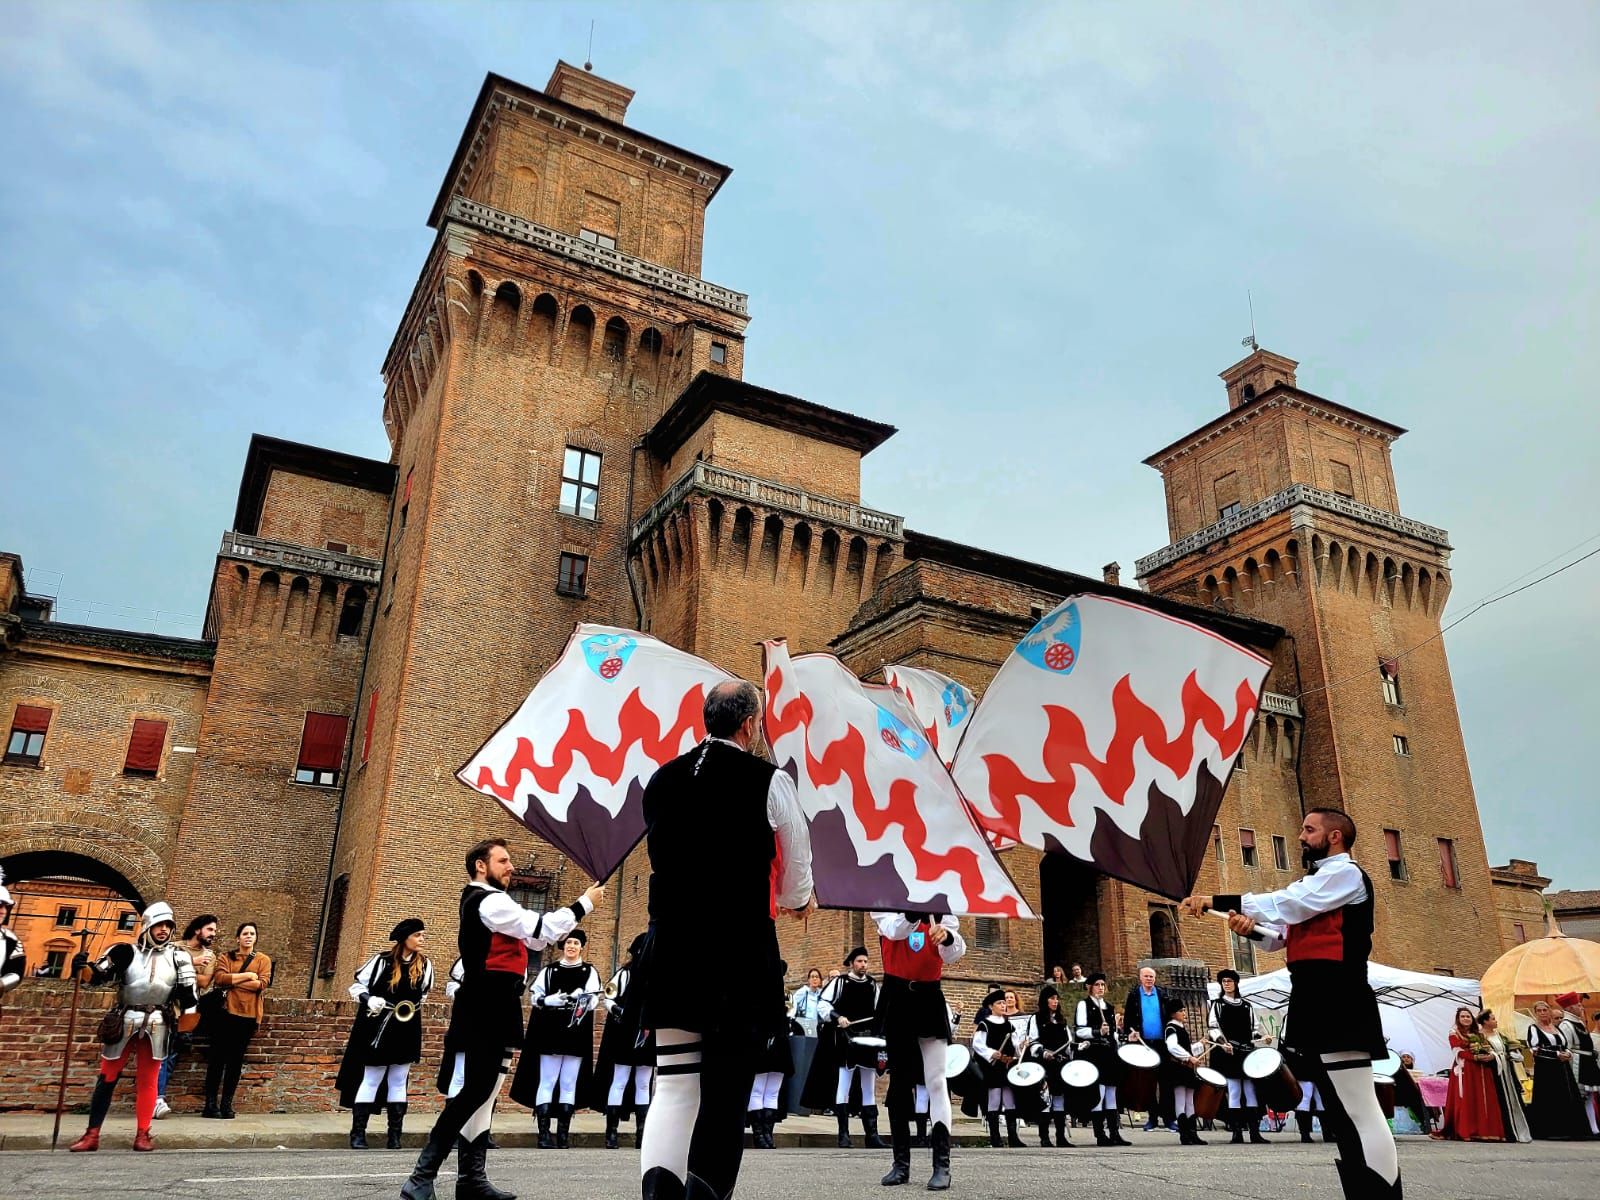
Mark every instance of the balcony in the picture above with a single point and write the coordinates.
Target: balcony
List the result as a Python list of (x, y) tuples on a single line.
[(1279, 705), (717, 481), (289, 557), (1298, 495), (481, 216)]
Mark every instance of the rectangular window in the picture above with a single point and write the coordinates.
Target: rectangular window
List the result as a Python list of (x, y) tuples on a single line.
[(1280, 852), (1228, 510), (128, 920), (1522, 931), (989, 933), (321, 750), (1239, 763), (144, 747), (366, 735), (338, 547), (1402, 747), (1447, 863), (66, 915), (530, 891), (1389, 672), (604, 241), (1216, 841), (1397, 862), (580, 483), (719, 353), (25, 744), (55, 964), (1244, 954), (1247, 846), (573, 576)]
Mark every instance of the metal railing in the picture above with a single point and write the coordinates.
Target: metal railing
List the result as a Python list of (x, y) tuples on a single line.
[(300, 558), (722, 482), (1283, 706), (1299, 493), (470, 212)]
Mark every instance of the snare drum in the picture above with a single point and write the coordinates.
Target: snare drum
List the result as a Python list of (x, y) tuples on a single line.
[(1210, 1093), (869, 1052), (1027, 1081), (1385, 1088), (1276, 1085), (1140, 1068), (963, 1071), (1080, 1083)]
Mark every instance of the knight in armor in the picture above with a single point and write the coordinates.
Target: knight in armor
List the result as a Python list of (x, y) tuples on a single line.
[(626, 1065), (844, 1074), (555, 1066), (386, 1037), (1049, 1040), (728, 843), (1325, 922), (155, 979), (486, 1018), (915, 1019), (1095, 1025), (1177, 1073), (995, 1041), (1233, 1027), (13, 962)]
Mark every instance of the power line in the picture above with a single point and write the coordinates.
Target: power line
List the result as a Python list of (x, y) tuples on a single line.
[(1477, 608)]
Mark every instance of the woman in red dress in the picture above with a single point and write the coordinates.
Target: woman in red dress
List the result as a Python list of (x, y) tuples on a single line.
[(1472, 1109)]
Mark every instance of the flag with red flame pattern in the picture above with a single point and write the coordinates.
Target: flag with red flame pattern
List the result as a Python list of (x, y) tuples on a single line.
[(889, 831), (571, 764), (943, 705), (1109, 734)]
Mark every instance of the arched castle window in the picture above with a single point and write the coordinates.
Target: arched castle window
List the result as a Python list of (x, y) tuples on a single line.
[(353, 612), (266, 599), (542, 327), (580, 336), (1163, 934), (503, 314), (615, 343)]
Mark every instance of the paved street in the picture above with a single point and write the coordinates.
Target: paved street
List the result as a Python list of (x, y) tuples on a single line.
[(1151, 1170)]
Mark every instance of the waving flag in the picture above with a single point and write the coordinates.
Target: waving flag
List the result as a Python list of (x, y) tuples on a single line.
[(943, 706), (572, 762), (889, 831), (1109, 734)]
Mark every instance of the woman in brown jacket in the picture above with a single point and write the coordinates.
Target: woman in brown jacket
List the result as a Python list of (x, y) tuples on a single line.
[(243, 976)]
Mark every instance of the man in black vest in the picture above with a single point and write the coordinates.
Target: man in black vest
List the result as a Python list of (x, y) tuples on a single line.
[(716, 818), (486, 1018), (1325, 921)]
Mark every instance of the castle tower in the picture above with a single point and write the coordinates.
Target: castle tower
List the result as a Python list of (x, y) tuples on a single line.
[(1285, 508), (558, 314)]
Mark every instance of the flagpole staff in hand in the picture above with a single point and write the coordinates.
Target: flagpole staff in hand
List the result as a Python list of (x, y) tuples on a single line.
[(1244, 926), (72, 1026)]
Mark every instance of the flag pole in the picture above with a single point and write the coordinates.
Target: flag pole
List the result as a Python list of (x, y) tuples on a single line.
[(66, 1055)]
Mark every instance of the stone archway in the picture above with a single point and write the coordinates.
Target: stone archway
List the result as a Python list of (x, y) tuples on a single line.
[(51, 864), (128, 867)]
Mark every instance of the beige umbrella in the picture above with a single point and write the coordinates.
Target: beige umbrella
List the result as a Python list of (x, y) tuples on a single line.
[(1541, 970)]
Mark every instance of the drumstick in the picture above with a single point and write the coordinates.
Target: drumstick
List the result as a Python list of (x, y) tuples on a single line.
[(1255, 935)]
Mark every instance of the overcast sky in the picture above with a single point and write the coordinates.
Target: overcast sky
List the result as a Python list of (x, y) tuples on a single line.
[(1021, 233)]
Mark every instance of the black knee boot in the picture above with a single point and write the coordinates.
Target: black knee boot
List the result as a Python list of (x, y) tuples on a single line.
[(472, 1179), (1237, 1117), (1011, 1131), (542, 1115), (769, 1121), (397, 1126), (869, 1127), (613, 1117), (1061, 1129), (1044, 1128), (844, 1127), (1252, 1118), (359, 1113), (1361, 1182), (1098, 1120), (939, 1140), (921, 1141), (420, 1185), (563, 1126), (1302, 1122), (1114, 1128), (639, 1111), (900, 1141), (994, 1129)]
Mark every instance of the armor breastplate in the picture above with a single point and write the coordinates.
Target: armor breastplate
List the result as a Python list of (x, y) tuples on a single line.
[(150, 978)]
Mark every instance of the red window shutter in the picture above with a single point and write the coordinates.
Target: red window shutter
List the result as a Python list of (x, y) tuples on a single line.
[(322, 742), (1390, 667), (31, 718), (1391, 839), (406, 499), (372, 715), (1247, 838), (1447, 861), (144, 747)]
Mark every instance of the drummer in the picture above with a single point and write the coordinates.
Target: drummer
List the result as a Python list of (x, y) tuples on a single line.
[(1050, 1044), (995, 1042), (1233, 1028), (1177, 1073), (849, 1005), (1095, 1024)]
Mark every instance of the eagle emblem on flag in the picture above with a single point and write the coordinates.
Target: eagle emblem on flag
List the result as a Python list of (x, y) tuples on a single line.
[(1052, 644), (608, 653)]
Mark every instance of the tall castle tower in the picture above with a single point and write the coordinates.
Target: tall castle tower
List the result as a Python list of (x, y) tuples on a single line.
[(1285, 508)]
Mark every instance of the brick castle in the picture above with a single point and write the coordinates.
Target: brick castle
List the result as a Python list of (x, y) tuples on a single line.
[(572, 438)]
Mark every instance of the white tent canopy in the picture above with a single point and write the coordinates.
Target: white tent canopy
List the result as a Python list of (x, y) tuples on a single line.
[(1417, 1010)]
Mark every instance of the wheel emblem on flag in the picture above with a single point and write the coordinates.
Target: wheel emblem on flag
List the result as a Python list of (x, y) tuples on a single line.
[(890, 739), (955, 704), (897, 735), (608, 653), (1052, 644)]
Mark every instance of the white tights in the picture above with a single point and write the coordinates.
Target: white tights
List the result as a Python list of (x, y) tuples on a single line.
[(1182, 1101), (1001, 1100), (562, 1068), (1241, 1093), (1349, 1074), (372, 1078), (765, 1090), (919, 1099), (458, 1076), (868, 1079), (1108, 1098), (619, 1084)]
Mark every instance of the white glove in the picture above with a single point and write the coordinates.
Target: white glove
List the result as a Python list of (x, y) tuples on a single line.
[(374, 1004), (555, 1000)]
